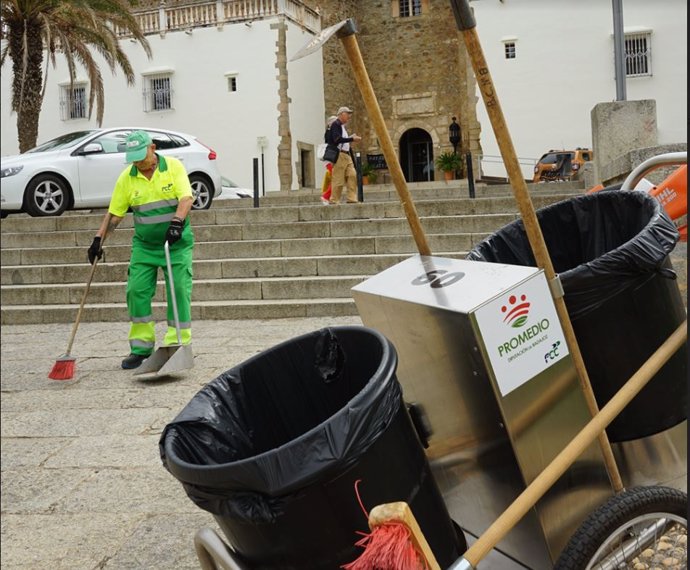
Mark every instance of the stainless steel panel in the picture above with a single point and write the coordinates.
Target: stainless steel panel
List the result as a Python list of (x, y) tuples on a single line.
[(659, 459), (439, 367), (478, 489), (542, 416)]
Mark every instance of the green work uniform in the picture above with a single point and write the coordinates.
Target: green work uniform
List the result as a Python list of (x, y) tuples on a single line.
[(153, 204)]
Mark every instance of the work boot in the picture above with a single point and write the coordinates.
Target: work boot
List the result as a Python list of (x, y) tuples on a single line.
[(134, 361)]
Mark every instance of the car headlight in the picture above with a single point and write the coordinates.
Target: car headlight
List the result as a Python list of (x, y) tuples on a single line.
[(10, 171)]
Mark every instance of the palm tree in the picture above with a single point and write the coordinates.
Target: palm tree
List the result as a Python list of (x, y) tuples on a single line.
[(70, 28)]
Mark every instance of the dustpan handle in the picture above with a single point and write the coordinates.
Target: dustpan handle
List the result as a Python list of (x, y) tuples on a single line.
[(171, 283)]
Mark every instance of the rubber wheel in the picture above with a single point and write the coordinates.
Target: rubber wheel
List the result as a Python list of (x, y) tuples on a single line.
[(46, 195), (203, 192), (640, 528)]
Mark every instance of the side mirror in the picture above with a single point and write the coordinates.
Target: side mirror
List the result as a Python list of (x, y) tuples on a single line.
[(92, 148)]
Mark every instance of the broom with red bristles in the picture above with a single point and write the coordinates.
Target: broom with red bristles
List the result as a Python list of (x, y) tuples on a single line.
[(63, 369), (395, 542)]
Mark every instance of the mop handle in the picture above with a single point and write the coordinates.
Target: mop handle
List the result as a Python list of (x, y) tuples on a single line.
[(171, 281)]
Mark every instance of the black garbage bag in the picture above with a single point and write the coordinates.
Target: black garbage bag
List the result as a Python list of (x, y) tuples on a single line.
[(599, 244), (258, 437), (273, 446), (611, 251)]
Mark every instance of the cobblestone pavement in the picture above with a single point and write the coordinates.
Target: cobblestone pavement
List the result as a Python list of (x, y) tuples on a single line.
[(83, 486)]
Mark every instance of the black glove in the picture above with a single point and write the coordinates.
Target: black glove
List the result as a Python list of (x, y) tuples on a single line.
[(95, 250), (174, 231)]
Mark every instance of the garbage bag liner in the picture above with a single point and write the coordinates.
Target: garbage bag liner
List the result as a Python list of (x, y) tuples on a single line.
[(295, 414), (599, 244)]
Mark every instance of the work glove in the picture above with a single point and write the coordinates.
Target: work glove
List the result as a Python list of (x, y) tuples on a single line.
[(174, 232), (95, 250)]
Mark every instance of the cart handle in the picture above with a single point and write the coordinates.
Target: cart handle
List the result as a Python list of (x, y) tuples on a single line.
[(666, 159)]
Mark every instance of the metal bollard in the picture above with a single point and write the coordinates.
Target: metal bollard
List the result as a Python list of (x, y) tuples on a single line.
[(256, 182), (358, 168), (470, 173)]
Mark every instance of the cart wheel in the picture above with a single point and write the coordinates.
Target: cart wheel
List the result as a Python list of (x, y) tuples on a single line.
[(640, 528)]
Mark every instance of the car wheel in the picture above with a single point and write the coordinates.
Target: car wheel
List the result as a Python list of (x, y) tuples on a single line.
[(3, 214), (202, 191), (46, 195)]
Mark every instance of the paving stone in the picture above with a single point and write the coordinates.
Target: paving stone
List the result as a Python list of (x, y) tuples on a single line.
[(64, 542)]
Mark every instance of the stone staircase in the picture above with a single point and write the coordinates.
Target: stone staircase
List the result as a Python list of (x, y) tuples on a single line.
[(291, 257)]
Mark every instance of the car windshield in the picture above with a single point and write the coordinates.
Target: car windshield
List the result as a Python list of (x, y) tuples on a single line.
[(554, 157), (64, 141)]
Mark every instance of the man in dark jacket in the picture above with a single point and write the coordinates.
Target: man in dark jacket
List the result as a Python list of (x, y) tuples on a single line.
[(344, 172)]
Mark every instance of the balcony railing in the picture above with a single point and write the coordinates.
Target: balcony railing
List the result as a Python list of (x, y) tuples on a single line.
[(218, 12)]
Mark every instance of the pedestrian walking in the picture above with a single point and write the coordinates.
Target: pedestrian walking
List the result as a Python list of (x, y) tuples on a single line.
[(157, 190), (328, 175), (326, 188), (344, 173)]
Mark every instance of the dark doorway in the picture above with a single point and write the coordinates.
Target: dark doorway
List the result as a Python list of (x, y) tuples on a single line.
[(417, 156)]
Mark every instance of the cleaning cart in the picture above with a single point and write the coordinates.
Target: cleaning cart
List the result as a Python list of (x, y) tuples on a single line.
[(494, 385)]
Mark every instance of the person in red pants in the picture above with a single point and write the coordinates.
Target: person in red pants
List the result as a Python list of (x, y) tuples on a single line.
[(326, 184)]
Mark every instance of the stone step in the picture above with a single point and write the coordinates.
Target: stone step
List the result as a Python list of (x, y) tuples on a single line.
[(264, 288), (204, 310), (214, 268), (251, 249), (484, 223), (287, 214)]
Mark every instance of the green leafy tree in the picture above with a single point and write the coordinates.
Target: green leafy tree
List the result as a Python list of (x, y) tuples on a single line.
[(75, 29)]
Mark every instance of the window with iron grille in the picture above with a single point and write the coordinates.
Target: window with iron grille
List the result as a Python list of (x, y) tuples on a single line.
[(509, 50), (73, 102), (638, 54), (409, 8), (232, 83), (158, 93)]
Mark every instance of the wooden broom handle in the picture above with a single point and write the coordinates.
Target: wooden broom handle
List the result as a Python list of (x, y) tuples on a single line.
[(535, 490), (75, 326), (466, 24), (374, 111)]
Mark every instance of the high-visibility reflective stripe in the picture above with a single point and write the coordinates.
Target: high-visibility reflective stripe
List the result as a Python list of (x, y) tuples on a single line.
[(141, 343), (155, 205), (146, 220), (142, 319), (182, 325)]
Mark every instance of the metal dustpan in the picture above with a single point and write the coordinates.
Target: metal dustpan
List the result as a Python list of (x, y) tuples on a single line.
[(173, 357)]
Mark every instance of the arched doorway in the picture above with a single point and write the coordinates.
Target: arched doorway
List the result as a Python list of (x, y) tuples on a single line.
[(417, 156)]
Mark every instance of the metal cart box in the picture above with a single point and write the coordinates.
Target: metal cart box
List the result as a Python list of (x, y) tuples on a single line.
[(481, 349)]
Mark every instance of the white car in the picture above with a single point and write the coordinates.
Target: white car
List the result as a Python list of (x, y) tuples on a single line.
[(79, 169), (231, 191)]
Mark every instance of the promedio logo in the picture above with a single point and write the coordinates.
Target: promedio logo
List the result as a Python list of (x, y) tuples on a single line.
[(516, 314)]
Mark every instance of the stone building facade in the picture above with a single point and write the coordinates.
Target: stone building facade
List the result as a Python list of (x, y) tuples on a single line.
[(420, 72)]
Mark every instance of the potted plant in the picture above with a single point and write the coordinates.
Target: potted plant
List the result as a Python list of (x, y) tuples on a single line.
[(449, 162), (369, 175)]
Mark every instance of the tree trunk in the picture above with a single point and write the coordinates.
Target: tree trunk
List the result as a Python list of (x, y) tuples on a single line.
[(27, 82)]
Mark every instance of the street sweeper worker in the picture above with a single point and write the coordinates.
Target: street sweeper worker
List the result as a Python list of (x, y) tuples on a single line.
[(157, 190)]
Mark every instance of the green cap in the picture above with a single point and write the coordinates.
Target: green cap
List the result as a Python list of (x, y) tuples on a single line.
[(137, 144)]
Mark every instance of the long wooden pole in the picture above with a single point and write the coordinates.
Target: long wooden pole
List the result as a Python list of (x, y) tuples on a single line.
[(535, 490), (347, 36), (466, 24)]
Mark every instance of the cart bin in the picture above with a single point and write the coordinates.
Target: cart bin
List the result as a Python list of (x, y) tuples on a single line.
[(274, 446), (611, 251)]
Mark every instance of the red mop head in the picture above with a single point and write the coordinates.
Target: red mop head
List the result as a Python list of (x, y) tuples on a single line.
[(388, 547), (395, 542), (63, 369)]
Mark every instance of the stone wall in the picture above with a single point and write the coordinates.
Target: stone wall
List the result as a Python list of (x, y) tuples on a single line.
[(418, 67)]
